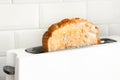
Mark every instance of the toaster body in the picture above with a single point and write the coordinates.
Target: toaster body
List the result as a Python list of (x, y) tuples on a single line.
[(98, 62)]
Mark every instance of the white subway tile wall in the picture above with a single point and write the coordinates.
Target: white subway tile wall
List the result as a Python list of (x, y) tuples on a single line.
[(73, 0), (23, 22), (6, 41), (114, 29), (4, 1), (19, 16), (82, 0), (52, 13), (35, 1), (104, 11), (28, 38)]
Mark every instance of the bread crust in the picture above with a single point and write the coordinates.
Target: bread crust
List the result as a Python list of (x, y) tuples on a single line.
[(73, 24)]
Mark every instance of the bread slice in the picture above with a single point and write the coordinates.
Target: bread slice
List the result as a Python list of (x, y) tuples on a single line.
[(70, 33)]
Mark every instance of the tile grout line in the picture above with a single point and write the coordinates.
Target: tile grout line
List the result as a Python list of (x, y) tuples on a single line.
[(11, 1), (3, 55), (87, 9), (39, 16)]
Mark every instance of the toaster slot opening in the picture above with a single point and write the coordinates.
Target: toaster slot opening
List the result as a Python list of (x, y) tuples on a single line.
[(35, 50), (39, 49), (107, 40)]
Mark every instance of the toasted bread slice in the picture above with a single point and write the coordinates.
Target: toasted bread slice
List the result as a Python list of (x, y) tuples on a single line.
[(70, 33)]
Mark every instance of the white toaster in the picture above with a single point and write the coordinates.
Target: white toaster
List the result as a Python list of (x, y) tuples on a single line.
[(98, 62)]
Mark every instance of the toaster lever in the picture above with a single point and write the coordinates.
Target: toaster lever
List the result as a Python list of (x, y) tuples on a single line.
[(10, 70)]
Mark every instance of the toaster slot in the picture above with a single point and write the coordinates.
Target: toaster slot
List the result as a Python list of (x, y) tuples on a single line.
[(39, 49), (107, 40), (35, 50)]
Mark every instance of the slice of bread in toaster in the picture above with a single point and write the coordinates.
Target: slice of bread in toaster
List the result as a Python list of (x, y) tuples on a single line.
[(70, 33)]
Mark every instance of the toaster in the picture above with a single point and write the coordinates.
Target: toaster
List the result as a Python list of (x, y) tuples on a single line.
[(96, 62)]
